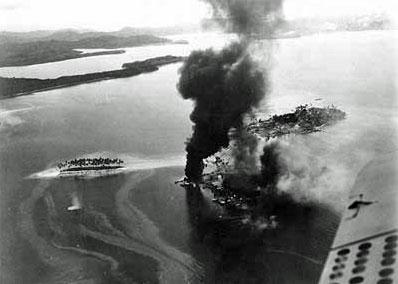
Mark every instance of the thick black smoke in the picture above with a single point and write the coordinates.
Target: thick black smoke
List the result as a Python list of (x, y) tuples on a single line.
[(247, 17), (244, 151), (224, 86), (270, 166), (228, 84)]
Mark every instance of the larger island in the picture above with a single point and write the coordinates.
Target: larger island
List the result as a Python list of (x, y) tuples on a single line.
[(11, 87), (21, 49)]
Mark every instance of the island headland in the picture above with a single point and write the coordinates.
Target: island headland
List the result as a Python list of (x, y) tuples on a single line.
[(16, 53), (11, 87)]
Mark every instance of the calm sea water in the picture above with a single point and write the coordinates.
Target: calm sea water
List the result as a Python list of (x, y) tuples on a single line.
[(143, 119)]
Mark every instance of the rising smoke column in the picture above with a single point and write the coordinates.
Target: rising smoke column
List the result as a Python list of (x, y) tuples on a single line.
[(228, 84), (247, 17)]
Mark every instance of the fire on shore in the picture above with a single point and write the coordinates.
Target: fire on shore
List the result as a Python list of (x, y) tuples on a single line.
[(239, 191)]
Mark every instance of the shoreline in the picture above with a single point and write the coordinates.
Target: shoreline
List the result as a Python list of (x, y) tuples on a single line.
[(81, 55), (16, 87), (54, 88), (13, 53)]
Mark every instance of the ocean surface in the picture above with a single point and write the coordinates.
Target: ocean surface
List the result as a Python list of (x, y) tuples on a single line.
[(141, 228)]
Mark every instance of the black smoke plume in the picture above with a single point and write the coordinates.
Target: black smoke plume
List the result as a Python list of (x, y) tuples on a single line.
[(247, 17), (270, 166), (244, 151), (225, 85)]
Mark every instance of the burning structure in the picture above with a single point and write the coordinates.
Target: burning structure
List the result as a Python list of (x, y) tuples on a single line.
[(234, 180)]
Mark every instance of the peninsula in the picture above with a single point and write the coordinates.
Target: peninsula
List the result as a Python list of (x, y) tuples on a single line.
[(11, 87), (51, 50)]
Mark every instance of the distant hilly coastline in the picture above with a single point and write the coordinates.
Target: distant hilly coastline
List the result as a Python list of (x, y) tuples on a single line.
[(21, 49), (35, 47), (310, 26), (75, 35)]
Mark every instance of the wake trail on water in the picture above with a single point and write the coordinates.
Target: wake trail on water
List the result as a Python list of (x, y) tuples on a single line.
[(176, 266), (61, 266), (300, 255), (132, 163), (10, 118), (140, 235)]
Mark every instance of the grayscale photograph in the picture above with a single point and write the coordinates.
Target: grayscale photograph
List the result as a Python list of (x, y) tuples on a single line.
[(198, 141)]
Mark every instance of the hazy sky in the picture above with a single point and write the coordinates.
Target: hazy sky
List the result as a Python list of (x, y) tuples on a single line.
[(24, 15)]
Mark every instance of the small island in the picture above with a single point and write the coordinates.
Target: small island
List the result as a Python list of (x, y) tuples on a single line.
[(11, 87), (91, 166)]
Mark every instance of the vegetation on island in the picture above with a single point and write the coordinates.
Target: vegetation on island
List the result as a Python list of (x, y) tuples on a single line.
[(304, 119), (90, 164), (10, 87), (29, 55), (156, 61)]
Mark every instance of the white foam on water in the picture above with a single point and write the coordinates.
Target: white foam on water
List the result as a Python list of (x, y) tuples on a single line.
[(46, 174), (10, 117), (76, 204), (132, 163), (141, 163)]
